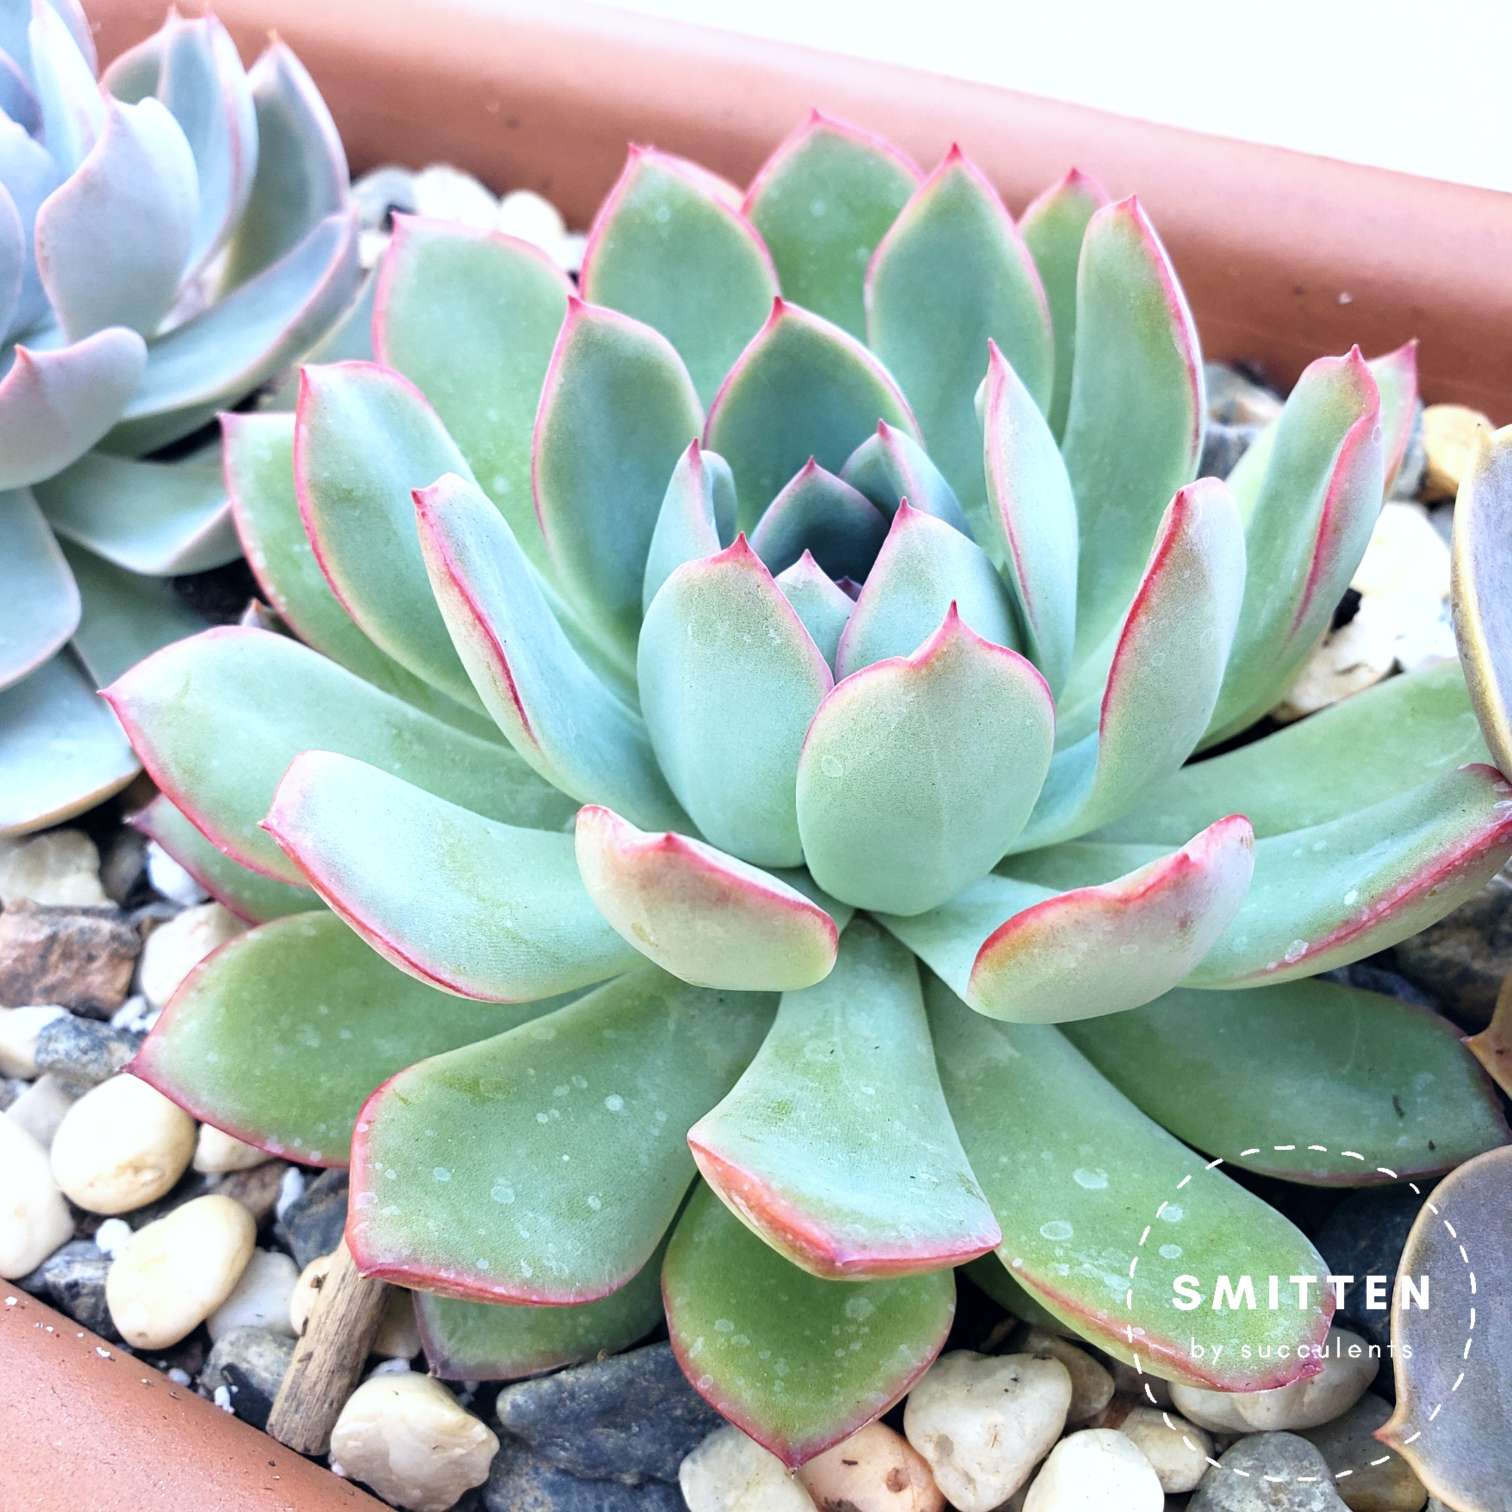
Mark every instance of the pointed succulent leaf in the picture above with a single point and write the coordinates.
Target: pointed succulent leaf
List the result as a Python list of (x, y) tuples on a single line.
[(28, 175), (1018, 951), (668, 251), (705, 917), (1483, 588), (471, 318), (890, 466), (697, 517), (818, 512), (1245, 1075), (1396, 379), (69, 100), (820, 602), (1053, 227), (1130, 443), (544, 1165), (797, 1362), (54, 405), (552, 707), (729, 680), (15, 258), (133, 193), (502, 1341), (918, 772), (803, 388), (1165, 672), (218, 719), (951, 275), (281, 1034), (822, 202), (809, 1153), (1103, 1175), (924, 567), (39, 608), (17, 99), (617, 410), (125, 616), (1305, 532)]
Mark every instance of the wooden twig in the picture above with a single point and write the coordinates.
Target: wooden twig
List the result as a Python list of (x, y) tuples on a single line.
[(328, 1357)]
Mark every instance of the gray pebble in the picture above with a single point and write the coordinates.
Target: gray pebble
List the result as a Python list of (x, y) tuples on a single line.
[(524, 1482), (73, 1280), (1222, 446), (1364, 1236), (83, 1052), (248, 1363), (312, 1224), (1268, 1472)]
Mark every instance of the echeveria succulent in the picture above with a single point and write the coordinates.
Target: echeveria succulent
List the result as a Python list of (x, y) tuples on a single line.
[(170, 238), (735, 803)]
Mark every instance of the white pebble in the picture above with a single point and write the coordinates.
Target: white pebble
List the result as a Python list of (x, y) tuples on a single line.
[(135, 1013), (1179, 1453), (261, 1298), (217, 1152), (40, 1109), (112, 1236), (19, 1028), (532, 218), (61, 867), (290, 1190), (174, 949), (729, 1472), (1091, 1384), (34, 1219), (445, 193), (398, 1334), (178, 1270), (874, 1470), (170, 880), (983, 1422), (406, 1437), (1092, 1471), (121, 1146)]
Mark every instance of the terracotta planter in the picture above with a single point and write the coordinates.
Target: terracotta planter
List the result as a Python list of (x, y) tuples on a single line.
[(1284, 256)]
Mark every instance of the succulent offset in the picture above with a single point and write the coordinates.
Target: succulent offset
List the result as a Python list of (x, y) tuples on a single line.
[(171, 237), (730, 840)]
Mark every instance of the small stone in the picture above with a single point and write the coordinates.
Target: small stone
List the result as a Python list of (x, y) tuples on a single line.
[(123, 866), (169, 880), (875, 1470), (248, 1363), (1223, 445), (1268, 1472), (1349, 1443), (1091, 1385), (80, 958), (1177, 1449), (112, 1236), (121, 1146), (1236, 399), (729, 1472), (73, 1280), (405, 1436), (84, 1052), (1449, 432), (398, 1336), (445, 193), (216, 1152), (40, 1108), (20, 1029), (1464, 958), (1347, 661), (313, 1223), (1349, 1366), (178, 1270), (34, 1218), (257, 1190), (382, 191), (983, 1422), (136, 1015), (260, 1299), (532, 218), (1092, 1471), (520, 1481), (58, 867), (1364, 1237), (174, 949)]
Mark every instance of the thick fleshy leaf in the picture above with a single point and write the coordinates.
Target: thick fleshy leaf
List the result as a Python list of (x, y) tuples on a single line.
[(797, 1362), (125, 616), (1450, 1357), (1102, 1210), (1129, 443), (155, 518), (697, 517), (729, 679), (1483, 588), (15, 257), (819, 513), (1017, 951), (669, 251), (822, 202), (836, 1146), (54, 405), (28, 174), (61, 750), (918, 772), (250, 896), (951, 275), (1309, 1072), (301, 166), (73, 112), (39, 607), (890, 466), (564, 722), (239, 342), (1165, 673), (1027, 524), (545, 1165), (280, 1035), (17, 100), (1053, 227), (820, 602), (801, 389), (135, 194), (1396, 380), (706, 917), (481, 909), (1492, 1047), (472, 319), (259, 452), (497, 1341), (1306, 528), (617, 410), (217, 719)]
